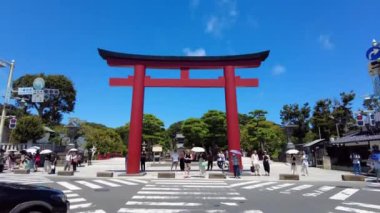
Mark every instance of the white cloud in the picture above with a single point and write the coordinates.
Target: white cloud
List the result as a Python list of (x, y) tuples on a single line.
[(223, 17), (278, 70), (196, 52), (326, 42)]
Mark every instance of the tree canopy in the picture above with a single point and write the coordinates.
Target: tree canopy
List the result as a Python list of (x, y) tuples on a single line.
[(52, 108), (27, 128)]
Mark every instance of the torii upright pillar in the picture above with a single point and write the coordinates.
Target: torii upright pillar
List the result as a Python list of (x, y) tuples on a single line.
[(139, 81)]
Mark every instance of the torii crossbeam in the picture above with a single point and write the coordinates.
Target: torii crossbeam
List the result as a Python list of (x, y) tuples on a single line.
[(183, 63)]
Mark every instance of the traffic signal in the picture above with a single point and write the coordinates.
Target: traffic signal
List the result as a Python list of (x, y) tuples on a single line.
[(359, 120), (12, 123), (372, 119)]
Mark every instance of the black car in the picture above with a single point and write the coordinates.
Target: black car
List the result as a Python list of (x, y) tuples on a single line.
[(19, 198)]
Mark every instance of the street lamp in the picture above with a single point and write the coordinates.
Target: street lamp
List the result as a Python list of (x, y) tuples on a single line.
[(288, 128), (8, 90), (73, 128)]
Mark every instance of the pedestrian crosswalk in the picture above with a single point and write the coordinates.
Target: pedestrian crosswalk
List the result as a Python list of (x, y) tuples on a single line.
[(172, 196), (80, 204), (98, 183), (306, 190), (32, 178), (357, 207)]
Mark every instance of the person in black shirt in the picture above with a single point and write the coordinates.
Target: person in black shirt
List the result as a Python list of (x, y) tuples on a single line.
[(142, 161)]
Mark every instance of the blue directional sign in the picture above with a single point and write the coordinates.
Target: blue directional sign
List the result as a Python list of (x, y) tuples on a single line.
[(373, 53)]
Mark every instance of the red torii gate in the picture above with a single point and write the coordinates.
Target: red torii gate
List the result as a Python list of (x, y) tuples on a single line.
[(184, 63)]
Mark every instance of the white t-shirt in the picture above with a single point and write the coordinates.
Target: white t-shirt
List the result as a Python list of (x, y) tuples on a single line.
[(255, 158), (175, 157)]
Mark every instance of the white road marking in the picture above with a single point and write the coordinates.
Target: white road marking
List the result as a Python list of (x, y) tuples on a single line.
[(189, 183), (258, 185), (229, 203), (107, 183), (66, 191), (195, 186), (159, 189), (319, 191), (72, 195), (297, 188), (94, 211), (158, 197), (184, 193), (348, 209), (192, 181), (138, 181), (124, 182), (68, 185), (253, 211), (242, 184), (138, 203), (88, 184), (365, 205), (78, 206), (344, 194), (280, 186), (134, 210), (372, 190), (76, 200)]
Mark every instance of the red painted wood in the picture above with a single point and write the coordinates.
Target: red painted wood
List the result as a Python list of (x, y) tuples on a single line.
[(185, 73), (204, 83), (233, 130), (136, 124)]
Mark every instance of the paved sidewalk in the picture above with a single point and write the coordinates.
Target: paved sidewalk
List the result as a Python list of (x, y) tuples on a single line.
[(117, 166)]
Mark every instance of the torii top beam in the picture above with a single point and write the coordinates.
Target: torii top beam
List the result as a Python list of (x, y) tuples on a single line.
[(183, 62)]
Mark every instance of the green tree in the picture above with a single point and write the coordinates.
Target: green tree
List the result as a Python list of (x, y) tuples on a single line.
[(322, 118), (27, 128), (154, 132), (195, 132), (123, 131), (52, 108), (293, 114), (216, 126), (105, 140), (342, 111)]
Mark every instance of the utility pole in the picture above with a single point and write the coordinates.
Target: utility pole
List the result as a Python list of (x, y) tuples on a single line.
[(8, 92)]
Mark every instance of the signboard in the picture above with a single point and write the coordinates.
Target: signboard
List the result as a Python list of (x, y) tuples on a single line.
[(157, 148), (25, 90), (38, 96), (39, 83), (373, 53)]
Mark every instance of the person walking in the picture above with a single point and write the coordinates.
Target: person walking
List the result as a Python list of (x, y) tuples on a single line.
[(266, 160), (74, 161), (255, 162), (142, 161), (201, 165), (67, 162), (182, 161), (221, 159), (370, 164), (210, 162), (11, 161), (2, 160), (37, 160), (235, 163), (356, 163), (188, 159), (304, 165), (293, 165), (53, 161), (47, 163), (175, 159)]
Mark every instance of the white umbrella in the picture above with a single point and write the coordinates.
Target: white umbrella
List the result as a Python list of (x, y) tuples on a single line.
[(234, 151), (198, 149), (31, 150), (292, 151), (73, 150), (46, 151)]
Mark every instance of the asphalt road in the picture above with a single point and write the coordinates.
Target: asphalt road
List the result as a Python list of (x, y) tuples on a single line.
[(199, 195)]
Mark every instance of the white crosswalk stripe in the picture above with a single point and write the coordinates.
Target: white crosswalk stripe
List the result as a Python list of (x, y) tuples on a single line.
[(297, 188), (182, 196), (243, 183), (107, 183), (68, 185), (272, 188), (125, 182), (89, 184), (344, 194), (32, 178), (259, 185), (319, 191)]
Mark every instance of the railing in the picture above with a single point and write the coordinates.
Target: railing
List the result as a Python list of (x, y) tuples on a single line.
[(22, 146)]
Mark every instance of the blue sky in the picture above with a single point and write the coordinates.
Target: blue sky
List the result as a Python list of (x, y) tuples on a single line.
[(317, 50)]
